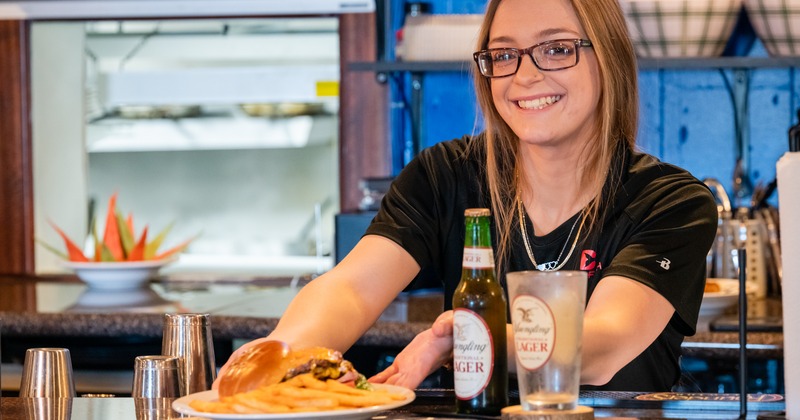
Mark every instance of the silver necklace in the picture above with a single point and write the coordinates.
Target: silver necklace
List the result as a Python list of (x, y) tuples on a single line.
[(551, 265)]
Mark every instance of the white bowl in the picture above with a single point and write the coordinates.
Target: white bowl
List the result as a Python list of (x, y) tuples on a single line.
[(680, 28), (116, 275), (715, 303), (140, 300), (777, 24)]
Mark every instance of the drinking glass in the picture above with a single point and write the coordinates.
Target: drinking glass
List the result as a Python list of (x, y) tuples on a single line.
[(547, 318)]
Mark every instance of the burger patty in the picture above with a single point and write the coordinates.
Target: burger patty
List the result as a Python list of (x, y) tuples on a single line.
[(321, 369)]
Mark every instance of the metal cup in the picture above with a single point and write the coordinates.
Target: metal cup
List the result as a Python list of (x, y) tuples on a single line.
[(48, 408), (188, 336), (154, 409), (157, 377), (47, 373)]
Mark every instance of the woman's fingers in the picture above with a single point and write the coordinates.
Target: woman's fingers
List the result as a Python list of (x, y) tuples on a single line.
[(382, 377), (443, 326)]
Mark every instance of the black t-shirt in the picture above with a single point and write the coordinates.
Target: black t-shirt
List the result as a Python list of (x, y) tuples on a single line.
[(658, 225)]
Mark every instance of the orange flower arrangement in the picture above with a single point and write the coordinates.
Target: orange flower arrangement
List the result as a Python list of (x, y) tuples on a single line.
[(119, 243)]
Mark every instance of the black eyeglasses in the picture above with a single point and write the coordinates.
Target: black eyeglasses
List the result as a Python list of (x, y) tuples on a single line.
[(558, 54)]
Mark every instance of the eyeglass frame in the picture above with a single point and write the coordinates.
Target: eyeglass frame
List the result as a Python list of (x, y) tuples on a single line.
[(578, 42)]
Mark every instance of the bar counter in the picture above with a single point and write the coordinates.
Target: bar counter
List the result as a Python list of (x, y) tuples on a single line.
[(387, 334), (31, 308), (438, 404), (106, 330)]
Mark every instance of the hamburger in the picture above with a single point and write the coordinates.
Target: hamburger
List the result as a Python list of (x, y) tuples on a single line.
[(271, 362)]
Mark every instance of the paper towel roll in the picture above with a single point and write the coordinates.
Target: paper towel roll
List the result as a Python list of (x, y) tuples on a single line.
[(788, 169)]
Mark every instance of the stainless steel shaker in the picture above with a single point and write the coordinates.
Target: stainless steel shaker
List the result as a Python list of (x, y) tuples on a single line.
[(47, 373), (157, 382), (157, 377), (155, 409), (188, 337), (41, 408)]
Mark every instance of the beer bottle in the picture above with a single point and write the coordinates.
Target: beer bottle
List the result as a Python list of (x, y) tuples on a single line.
[(480, 362)]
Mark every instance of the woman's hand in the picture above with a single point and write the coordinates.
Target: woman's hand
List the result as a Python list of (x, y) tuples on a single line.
[(428, 351)]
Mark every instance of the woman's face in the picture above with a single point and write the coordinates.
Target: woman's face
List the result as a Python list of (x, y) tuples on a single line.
[(546, 108)]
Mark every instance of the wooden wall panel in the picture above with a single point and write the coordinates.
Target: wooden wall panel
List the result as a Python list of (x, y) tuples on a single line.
[(364, 145), (17, 295), (16, 178)]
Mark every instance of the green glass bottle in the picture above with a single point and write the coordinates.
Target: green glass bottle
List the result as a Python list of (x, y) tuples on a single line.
[(480, 362)]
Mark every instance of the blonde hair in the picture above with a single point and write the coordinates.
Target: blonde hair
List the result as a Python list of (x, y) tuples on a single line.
[(617, 116)]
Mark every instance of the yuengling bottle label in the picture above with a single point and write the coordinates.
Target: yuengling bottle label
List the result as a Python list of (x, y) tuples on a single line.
[(535, 334), (473, 353), (478, 258)]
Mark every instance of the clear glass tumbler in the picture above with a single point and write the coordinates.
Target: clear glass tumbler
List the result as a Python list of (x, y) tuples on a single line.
[(547, 317)]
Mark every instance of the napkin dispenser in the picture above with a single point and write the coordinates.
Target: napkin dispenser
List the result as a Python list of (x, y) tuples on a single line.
[(788, 169)]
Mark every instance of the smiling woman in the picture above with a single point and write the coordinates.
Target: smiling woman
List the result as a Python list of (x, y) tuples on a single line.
[(557, 164)]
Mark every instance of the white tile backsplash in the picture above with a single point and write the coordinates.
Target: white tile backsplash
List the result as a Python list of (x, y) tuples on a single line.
[(242, 202)]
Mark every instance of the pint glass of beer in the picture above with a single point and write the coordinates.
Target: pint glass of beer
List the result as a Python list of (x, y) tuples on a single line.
[(547, 316)]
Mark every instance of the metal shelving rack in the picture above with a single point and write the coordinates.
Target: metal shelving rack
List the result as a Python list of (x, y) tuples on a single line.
[(740, 66), (644, 63)]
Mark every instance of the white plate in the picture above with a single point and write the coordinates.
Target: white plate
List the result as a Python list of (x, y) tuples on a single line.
[(717, 302), (116, 275), (181, 405)]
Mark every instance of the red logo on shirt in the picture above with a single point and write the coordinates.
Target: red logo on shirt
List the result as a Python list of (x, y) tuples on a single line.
[(589, 262)]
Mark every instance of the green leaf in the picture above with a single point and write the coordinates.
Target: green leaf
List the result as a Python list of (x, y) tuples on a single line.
[(151, 248), (125, 234), (52, 249), (105, 254), (361, 383), (98, 251)]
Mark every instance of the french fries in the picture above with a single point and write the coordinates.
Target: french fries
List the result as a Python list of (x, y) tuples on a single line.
[(302, 393), (712, 287)]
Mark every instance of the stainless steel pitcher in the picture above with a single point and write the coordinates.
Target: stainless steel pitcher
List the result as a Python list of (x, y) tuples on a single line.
[(742, 228), (722, 260), (188, 337)]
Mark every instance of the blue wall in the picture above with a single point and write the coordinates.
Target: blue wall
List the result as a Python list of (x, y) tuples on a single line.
[(687, 116)]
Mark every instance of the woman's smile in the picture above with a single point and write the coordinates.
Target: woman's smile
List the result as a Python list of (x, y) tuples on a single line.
[(538, 103)]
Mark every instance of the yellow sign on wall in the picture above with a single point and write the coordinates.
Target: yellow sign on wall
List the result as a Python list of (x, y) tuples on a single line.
[(328, 88)]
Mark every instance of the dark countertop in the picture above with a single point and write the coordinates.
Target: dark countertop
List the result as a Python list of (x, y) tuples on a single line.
[(246, 311), (150, 325), (389, 334), (439, 404)]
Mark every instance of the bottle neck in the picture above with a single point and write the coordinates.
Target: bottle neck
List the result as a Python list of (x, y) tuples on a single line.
[(478, 234), (478, 253)]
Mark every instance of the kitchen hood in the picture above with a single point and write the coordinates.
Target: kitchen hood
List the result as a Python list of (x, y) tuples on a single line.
[(226, 132), (121, 9), (195, 84)]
